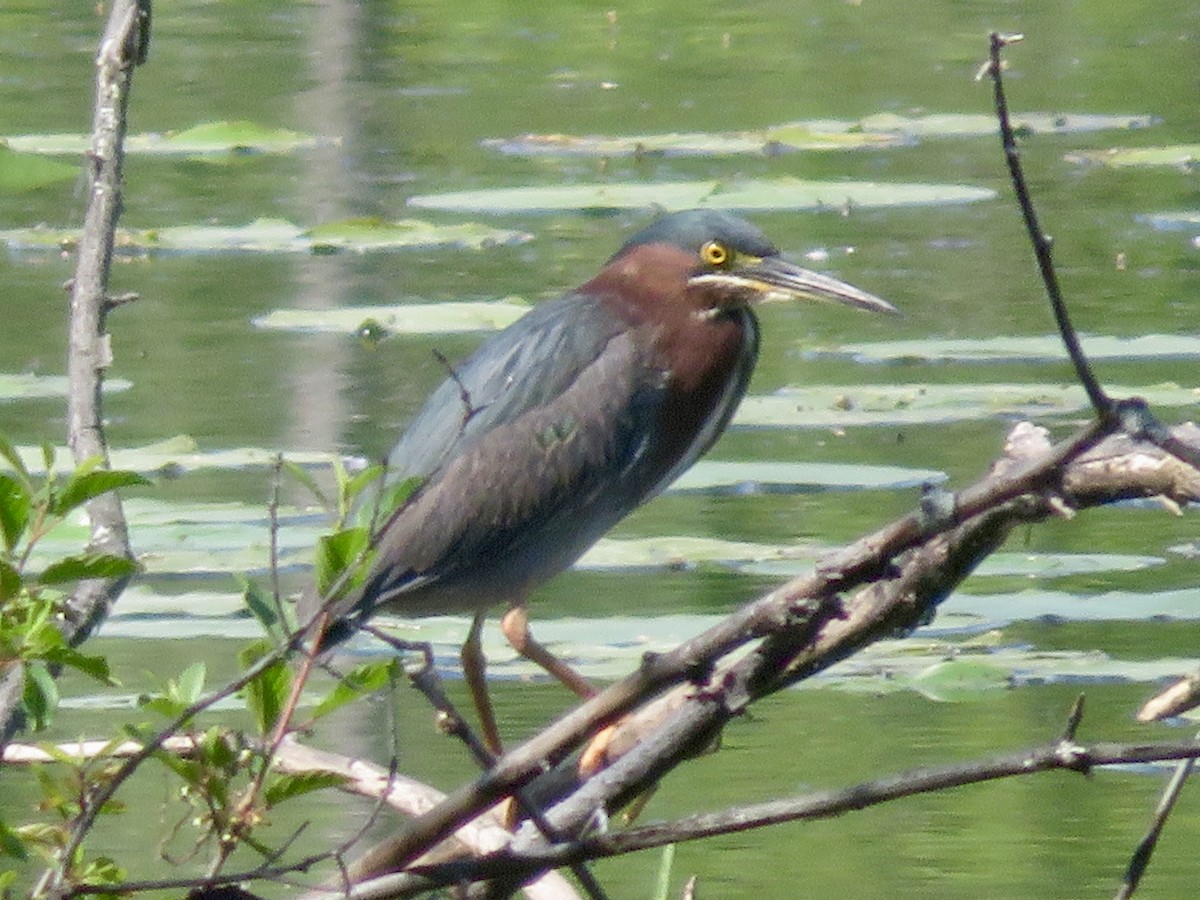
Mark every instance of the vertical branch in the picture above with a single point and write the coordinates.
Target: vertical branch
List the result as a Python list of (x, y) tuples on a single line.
[(123, 46), (1043, 245)]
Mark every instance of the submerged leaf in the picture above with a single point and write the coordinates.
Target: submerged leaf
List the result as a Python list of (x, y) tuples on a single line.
[(26, 171)]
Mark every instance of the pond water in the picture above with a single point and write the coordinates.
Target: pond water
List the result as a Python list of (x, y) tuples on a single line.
[(403, 98)]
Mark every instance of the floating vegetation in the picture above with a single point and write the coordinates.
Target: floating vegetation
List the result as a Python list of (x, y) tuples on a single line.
[(880, 131), (751, 194), (20, 172), (375, 322), (1179, 156), (280, 236), (220, 138)]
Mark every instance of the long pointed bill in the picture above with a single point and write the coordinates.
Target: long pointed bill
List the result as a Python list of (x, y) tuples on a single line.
[(773, 278)]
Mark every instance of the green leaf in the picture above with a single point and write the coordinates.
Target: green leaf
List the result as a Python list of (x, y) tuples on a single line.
[(218, 749), (9, 451), (306, 480), (14, 510), (662, 888), (365, 479), (392, 496), (10, 582), (358, 682), (84, 484), (40, 696), (161, 705), (188, 688), (12, 846), (89, 565), (261, 606), (95, 666), (268, 692), (285, 787), (335, 553)]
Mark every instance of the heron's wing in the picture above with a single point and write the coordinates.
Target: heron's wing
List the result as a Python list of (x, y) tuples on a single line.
[(525, 366)]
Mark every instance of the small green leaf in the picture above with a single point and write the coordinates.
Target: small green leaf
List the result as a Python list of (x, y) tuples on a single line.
[(392, 496), (89, 565), (189, 771), (40, 697), (12, 846), (335, 553), (8, 450), (85, 484), (285, 787), (355, 486), (268, 692), (48, 455), (161, 705), (261, 606), (95, 666), (306, 480), (359, 682), (10, 582), (190, 684), (14, 510)]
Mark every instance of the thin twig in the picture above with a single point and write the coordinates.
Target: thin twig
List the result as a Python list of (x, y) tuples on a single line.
[(1140, 860), (1042, 243)]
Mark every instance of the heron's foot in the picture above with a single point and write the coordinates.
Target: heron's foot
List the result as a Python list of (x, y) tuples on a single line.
[(595, 756)]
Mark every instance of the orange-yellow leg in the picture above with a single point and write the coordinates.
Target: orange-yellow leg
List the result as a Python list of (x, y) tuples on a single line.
[(515, 626), (475, 672)]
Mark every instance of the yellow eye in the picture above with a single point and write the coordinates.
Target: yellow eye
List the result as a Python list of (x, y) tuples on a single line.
[(714, 253)]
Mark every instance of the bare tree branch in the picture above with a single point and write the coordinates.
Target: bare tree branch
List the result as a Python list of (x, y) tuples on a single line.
[(123, 46)]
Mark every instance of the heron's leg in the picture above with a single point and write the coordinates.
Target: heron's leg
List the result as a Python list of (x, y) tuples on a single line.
[(475, 672), (515, 625)]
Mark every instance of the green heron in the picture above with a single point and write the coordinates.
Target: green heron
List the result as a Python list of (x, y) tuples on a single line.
[(560, 425)]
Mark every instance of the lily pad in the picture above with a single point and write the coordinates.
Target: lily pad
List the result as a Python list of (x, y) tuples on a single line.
[(1029, 348), (769, 477), (1003, 564), (411, 318), (279, 236), (376, 234), (779, 139), (208, 138), (871, 132), (1175, 156), (1175, 221), (676, 552), (994, 610), (760, 194), (979, 125), (829, 406), (177, 455), (899, 664), (961, 678), (36, 387), (21, 172)]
